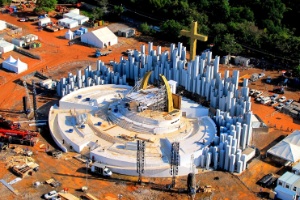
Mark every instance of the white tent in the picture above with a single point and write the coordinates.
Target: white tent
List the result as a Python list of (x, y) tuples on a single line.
[(6, 46), (75, 10), (100, 38), (76, 16), (2, 25), (14, 65), (69, 35), (68, 23), (288, 148), (293, 138)]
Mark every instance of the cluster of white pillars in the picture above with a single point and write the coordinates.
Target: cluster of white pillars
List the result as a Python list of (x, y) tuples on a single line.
[(200, 76)]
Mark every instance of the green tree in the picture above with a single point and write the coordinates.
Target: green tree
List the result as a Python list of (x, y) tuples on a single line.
[(171, 29), (145, 28), (103, 4), (44, 6), (69, 1), (118, 10), (5, 2), (297, 71), (158, 4), (97, 13), (229, 45)]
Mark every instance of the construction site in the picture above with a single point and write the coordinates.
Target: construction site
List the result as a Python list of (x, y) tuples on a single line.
[(39, 152)]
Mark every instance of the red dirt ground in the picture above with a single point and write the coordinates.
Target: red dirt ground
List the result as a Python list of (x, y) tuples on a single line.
[(61, 59)]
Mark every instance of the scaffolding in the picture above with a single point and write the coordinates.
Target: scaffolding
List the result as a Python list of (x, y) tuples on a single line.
[(175, 160), (135, 88), (159, 98), (140, 159), (34, 100)]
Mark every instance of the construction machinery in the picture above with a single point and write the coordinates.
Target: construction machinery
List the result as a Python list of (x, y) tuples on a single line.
[(7, 124), (19, 136), (99, 53)]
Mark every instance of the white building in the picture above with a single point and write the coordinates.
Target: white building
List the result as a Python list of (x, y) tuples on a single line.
[(18, 42), (100, 38), (68, 23), (44, 21), (14, 65), (242, 61), (2, 25), (6, 46), (290, 181), (79, 18)]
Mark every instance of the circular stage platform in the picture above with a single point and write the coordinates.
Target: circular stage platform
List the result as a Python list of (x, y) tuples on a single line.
[(105, 122)]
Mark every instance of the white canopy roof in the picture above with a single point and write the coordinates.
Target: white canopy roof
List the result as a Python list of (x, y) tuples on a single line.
[(104, 34), (14, 65), (288, 148)]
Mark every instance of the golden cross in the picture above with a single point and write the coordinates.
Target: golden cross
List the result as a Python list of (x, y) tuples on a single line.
[(194, 36)]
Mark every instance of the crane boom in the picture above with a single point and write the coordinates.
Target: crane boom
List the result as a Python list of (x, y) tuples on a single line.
[(22, 136)]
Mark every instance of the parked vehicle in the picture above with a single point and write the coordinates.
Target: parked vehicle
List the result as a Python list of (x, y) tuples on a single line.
[(258, 99), (273, 102), (265, 100), (264, 180), (99, 53), (279, 90), (254, 77), (274, 96), (279, 106), (282, 99), (271, 182), (55, 153), (101, 169), (269, 79), (260, 75), (289, 102), (51, 194), (252, 91), (257, 93)]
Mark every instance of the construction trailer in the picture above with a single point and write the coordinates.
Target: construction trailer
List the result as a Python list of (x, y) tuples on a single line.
[(239, 60), (44, 21), (128, 32)]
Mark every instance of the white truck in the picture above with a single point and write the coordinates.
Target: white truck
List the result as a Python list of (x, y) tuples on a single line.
[(99, 168), (265, 100)]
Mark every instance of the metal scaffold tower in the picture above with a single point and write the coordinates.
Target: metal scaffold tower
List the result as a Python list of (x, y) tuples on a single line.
[(175, 160), (136, 87), (161, 102), (140, 158), (34, 100)]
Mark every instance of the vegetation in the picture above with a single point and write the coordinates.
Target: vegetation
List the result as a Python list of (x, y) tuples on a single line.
[(45, 6), (266, 28), (263, 27), (4, 2)]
